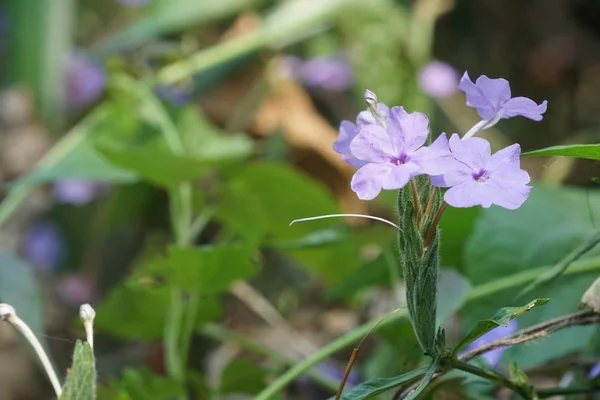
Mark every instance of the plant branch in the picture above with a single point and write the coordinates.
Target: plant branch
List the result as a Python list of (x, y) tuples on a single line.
[(558, 391), (537, 331), (525, 391)]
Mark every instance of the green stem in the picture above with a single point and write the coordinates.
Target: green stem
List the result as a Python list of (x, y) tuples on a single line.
[(188, 325), (487, 289), (525, 391), (173, 364), (224, 335), (545, 393)]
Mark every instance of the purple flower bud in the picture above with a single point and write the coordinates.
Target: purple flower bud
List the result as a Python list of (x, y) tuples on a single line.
[(476, 177), (438, 79), (85, 80), (43, 246), (76, 289), (493, 357), (330, 73), (492, 99), (78, 192)]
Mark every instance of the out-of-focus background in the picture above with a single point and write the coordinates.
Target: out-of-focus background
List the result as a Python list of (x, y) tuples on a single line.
[(108, 107)]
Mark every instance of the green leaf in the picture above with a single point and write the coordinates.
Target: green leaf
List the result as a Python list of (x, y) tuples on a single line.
[(206, 269), (81, 162), (141, 136), (453, 291), (19, 288), (426, 379), (142, 384), (551, 274), (588, 151), (276, 188), (205, 141), (500, 318), (81, 381), (156, 164), (133, 310), (372, 388), (74, 157), (243, 376), (551, 224), (591, 297)]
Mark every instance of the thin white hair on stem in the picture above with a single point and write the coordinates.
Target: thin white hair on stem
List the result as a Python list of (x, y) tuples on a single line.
[(346, 215)]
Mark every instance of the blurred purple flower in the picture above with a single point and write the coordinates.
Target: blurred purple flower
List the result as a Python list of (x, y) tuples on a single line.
[(595, 371), (85, 80), (176, 95), (328, 72), (43, 246), (493, 357), (438, 79), (476, 177), (492, 100), (78, 192), (133, 2), (76, 289)]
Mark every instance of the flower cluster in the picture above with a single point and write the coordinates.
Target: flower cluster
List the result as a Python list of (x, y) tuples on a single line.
[(390, 147)]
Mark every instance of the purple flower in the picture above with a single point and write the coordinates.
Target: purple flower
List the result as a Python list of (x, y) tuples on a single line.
[(438, 79), (492, 99), (493, 357), (328, 72), (43, 246), (85, 80), (76, 289), (176, 95), (595, 371), (478, 178), (78, 192), (349, 130), (395, 154)]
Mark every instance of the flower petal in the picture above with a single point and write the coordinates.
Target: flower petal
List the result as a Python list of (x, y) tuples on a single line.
[(399, 176), (505, 166), (486, 95), (366, 117), (407, 131), (506, 194), (434, 159), (474, 152), (366, 182), (372, 144), (347, 132), (525, 107), (468, 194)]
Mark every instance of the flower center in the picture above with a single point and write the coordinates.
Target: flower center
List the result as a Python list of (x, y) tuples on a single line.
[(481, 176), (399, 160)]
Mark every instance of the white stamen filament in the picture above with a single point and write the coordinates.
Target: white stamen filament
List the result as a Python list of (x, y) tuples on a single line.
[(346, 215), (8, 313)]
